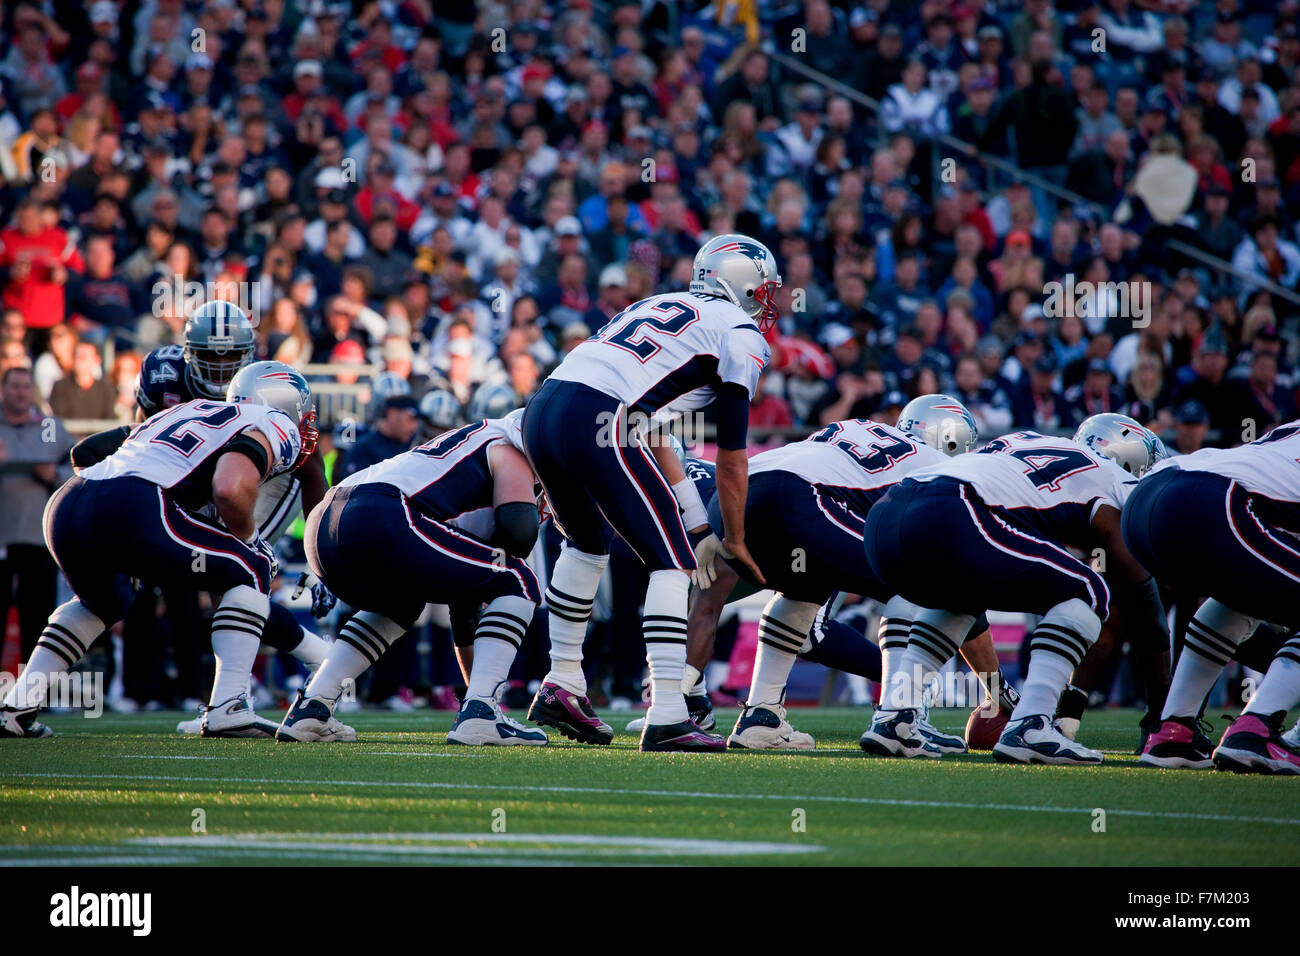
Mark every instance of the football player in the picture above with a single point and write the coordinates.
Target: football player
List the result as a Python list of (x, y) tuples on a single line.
[(218, 343), (449, 522), (691, 349), (999, 523), (177, 503), (1222, 523), (805, 513)]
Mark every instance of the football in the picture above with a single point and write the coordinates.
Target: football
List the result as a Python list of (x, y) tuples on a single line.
[(983, 730)]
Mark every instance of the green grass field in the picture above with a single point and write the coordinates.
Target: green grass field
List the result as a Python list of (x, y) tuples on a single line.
[(126, 790)]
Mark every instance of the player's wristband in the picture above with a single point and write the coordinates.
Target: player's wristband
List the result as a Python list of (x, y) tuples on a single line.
[(688, 497)]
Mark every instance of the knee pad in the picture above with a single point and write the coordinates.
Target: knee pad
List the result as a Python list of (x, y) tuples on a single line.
[(246, 598)]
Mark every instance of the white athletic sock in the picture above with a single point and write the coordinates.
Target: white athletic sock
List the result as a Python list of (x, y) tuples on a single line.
[(497, 638), (1280, 689), (1211, 641), (782, 634), (237, 627), (311, 650), (569, 598), (933, 639), (693, 684), (663, 623), (891, 634), (361, 642), (1056, 646), (68, 633)]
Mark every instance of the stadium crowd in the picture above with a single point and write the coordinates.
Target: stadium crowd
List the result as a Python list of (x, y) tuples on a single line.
[(458, 193)]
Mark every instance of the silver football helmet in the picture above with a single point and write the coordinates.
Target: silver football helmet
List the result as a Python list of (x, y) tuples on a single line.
[(492, 401), (219, 341), (440, 409), (384, 386), (941, 422), (279, 386), (742, 271), (1121, 439)]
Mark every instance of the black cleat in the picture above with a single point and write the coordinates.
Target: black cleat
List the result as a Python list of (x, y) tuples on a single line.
[(680, 737), (571, 715)]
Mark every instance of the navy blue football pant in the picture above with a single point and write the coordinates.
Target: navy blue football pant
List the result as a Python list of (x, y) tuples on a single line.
[(1205, 535), (377, 552), (600, 479), (939, 545), (103, 533)]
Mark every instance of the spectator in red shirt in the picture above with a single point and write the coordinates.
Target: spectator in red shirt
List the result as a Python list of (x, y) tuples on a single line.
[(34, 264), (90, 80)]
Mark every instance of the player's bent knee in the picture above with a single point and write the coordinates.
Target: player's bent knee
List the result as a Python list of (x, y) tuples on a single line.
[(1076, 616), (248, 599)]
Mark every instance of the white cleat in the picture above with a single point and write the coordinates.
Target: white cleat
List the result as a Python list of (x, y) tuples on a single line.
[(944, 743), (764, 727), (1292, 738), (895, 733), (234, 718), (1035, 739), (194, 725), (310, 720), (482, 723)]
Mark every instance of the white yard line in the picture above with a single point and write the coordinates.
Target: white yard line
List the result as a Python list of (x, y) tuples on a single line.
[(675, 794)]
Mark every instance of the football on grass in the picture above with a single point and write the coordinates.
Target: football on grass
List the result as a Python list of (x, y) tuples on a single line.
[(984, 726)]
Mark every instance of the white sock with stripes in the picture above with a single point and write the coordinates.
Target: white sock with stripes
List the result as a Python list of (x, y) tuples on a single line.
[(891, 634), (932, 641), (663, 623), (1210, 642), (498, 637), (237, 626), (1281, 687), (782, 633), (1056, 646), (569, 598), (361, 642), (68, 633)]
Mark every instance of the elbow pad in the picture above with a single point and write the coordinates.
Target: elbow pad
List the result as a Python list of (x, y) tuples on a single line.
[(733, 416), (515, 528), (95, 448)]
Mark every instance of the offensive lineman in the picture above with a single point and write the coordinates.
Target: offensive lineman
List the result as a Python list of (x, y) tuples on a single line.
[(684, 349), (152, 499)]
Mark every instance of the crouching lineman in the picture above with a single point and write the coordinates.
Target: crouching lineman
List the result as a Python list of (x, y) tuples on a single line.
[(991, 530), (449, 522), (1222, 523), (601, 479), (147, 501)]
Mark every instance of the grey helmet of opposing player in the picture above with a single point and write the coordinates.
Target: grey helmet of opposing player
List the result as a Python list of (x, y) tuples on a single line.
[(440, 410), (279, 386), (742, 271), (492, 401), (384, 386), (1121, 439), (218, 342), (941, 422)]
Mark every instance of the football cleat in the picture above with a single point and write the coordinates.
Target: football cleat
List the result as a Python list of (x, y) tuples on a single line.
[(764, 727), (22, 723), (1035, 739), (1291, 739), (944, 743), (482, 723), (698, 706), (571, 715), (1178, 742), (234, 718), (310, 720), (683, 736), (194, 725), (1253, 744), (893, 733)]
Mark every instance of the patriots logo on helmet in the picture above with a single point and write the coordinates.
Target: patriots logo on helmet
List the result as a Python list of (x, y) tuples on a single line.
[(746, 247)]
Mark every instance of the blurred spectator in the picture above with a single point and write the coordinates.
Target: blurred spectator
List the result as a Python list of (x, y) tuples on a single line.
[(84, 394)]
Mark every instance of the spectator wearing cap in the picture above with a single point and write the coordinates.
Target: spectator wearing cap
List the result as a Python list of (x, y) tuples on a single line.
[(876, 72), (942, 54), (1206, 381), (1249, 77), (754, 84), (794, 148), (380, 193), (310, 92), (611, 297), (975, 110), (388, 264), (345, 320), (1192, 427), (1265, 255), (1097, 393), (1225, 127), (898, 301), (566, 240), (90, 79), (891, 406), (333, 209), (986, 399), (1037, 402), (1096, 123), (392, 433), (1217, 232), (912, 107), (442, 211)]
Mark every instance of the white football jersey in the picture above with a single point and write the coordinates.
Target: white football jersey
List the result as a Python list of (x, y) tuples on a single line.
[(659, 349), (856, 460), (1268, 466), (1052, 483), (177, 443), (450, 477)]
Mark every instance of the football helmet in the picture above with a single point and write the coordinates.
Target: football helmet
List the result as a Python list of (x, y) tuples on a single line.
[(384, 386), (941, 422), (440, 409), (492, 401), (279, 386), (218, 342), (1121, 439), (742, 271)]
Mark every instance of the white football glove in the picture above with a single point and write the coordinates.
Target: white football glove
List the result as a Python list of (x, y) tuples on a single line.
[(705, 573)]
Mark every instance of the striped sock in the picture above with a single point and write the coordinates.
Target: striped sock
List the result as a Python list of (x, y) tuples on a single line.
[(311, 650), (782, 634), (892, 635), (569, 599), (237, 628), (1209, 644), (68, 633), (361, 642), (499, 635), (1281, 687), (663, 622), (1056, 647)]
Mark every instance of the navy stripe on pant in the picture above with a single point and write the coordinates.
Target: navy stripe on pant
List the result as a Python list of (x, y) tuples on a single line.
[(377, 552), (1206, 536), (600, 478), (807, 544), (939, 545), (102, 533)]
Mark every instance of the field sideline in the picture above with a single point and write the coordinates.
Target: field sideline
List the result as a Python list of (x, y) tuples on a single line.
[(124, 790)]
